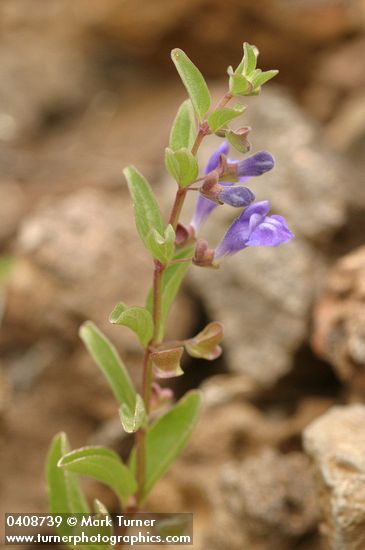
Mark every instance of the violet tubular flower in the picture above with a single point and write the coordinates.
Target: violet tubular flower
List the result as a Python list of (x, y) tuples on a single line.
[(255, 165), (204, 207), (236, 196), (254, 228), (213, 161)]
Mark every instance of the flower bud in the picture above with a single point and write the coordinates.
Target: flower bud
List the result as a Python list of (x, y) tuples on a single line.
[(210, 188)]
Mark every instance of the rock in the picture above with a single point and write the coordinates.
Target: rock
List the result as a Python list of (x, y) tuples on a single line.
[(105, 45), (335, 442), (232, 434), (263, 296), (339, 320), (347, 130), (77, 257), (336, 94), (146, 32), (345, 60), (315, 23), (51, 53), (267, 502), (236, 428), (79, 241)]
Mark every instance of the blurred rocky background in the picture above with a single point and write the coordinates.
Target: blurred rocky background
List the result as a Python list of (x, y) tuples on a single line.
[(87, 87)]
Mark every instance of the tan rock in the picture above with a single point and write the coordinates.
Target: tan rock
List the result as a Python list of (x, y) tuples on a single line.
[(335, 441), (339, 320)]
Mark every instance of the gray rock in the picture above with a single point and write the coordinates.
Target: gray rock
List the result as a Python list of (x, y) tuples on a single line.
[(77, 256), (336, 444), (266, 503)]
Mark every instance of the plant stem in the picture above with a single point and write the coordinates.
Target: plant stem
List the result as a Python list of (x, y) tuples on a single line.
[(147, 377), (203, 131), (181, 192), (156, 316), (181, 261), (224, 100), (177, 207)]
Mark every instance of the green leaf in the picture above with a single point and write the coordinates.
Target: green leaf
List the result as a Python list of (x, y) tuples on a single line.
[(260, 78), (193, 81), (171, 163), (172, 278), (104, 530), (108, 360), (136, 318), (182, 166), (184, 128), (103, 465), (64, 491), (249, 58), (133, 419), (219, 118), (100, 508), (146, 211), (162, 248), (65, 495), (246, 79), (168, 436), (171, 281), (239, 85)]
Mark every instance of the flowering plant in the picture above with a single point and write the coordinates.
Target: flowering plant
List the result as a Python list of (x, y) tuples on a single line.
[(162, 428)]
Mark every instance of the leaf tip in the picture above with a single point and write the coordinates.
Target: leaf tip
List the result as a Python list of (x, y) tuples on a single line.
[(175, 53), (60, 463), (129, 171), (116, 313), (84, 329)]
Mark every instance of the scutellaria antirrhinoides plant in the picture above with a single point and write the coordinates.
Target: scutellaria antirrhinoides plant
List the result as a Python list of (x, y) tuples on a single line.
[(161, 427)]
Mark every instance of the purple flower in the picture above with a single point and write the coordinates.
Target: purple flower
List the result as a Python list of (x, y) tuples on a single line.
[(236, 196), (203, 209), (205, 206), (252, 166), (254, 228), (255, 165), (213, 162)]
